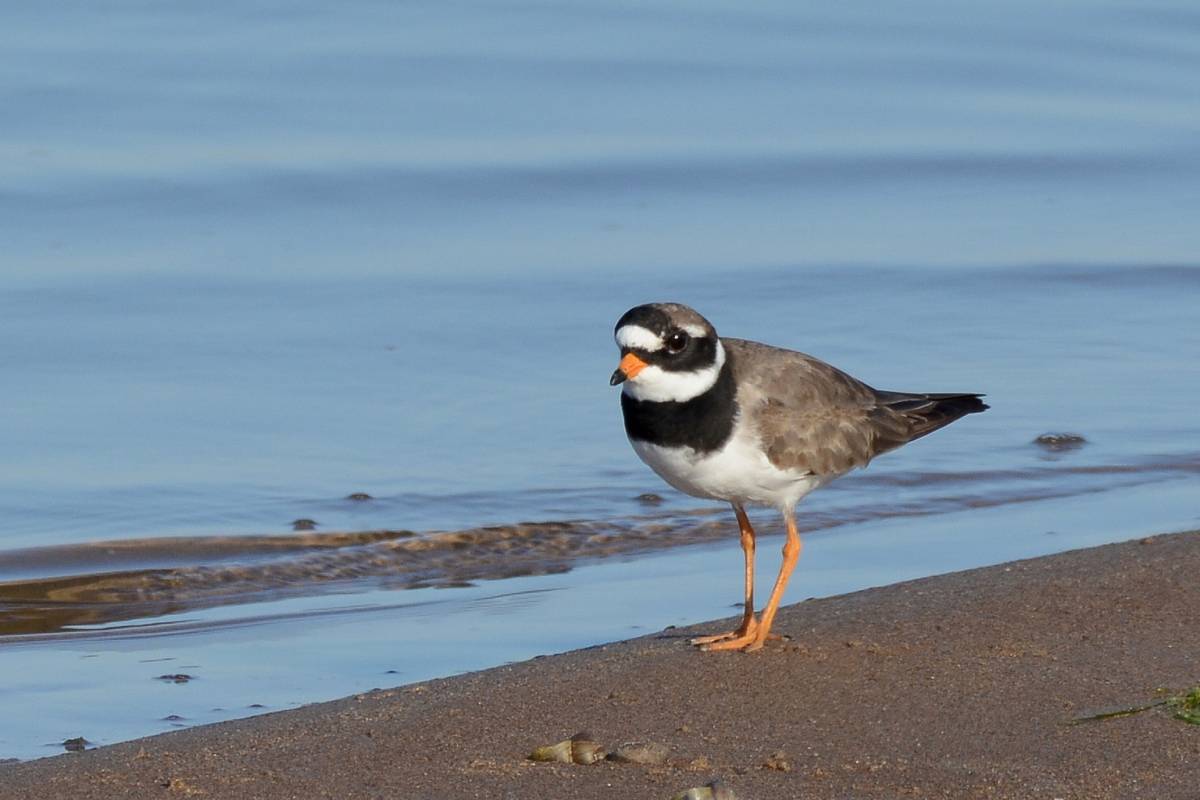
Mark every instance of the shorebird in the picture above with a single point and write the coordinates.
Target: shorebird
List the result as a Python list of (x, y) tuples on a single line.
[(751, 424)]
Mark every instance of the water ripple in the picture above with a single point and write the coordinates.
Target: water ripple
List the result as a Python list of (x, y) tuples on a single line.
[(134, 579)]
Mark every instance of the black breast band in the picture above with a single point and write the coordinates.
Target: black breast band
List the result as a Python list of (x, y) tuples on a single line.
[(703, 423)]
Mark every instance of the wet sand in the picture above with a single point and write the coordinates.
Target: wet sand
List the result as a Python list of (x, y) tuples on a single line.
[(958, 686)]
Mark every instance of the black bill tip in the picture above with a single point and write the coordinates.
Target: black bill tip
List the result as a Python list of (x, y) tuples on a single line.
[(617, 377)]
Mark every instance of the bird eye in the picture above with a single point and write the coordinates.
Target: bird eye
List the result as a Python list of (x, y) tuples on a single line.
[(677, 341)]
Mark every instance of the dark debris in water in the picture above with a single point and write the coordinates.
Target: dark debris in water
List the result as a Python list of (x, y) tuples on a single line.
[(76, 744), (359, 496), (304, 524), (178, 677), (650, 498), (1060, 442)]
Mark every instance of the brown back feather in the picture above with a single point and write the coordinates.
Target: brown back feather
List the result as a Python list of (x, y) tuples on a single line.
[(813, 417)]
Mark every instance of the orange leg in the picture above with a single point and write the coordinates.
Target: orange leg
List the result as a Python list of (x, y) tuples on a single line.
[(749, 624), (753, 640)]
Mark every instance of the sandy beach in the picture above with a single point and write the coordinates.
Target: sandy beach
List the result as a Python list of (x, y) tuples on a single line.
[(961, 685)]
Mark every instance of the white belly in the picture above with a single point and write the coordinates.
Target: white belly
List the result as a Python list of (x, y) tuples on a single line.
[(740, 472)]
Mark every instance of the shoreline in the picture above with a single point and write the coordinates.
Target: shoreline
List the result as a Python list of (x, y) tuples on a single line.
[(958, 685)]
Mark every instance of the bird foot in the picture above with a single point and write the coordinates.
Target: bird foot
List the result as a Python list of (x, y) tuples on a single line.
[(700, 641), (745, 638), (749, 627), (745, 643)]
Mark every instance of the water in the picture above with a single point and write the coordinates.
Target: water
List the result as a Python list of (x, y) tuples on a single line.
[(257, 258)]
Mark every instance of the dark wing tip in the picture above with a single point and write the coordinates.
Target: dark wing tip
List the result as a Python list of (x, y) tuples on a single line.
[(928, 412), (962, 403), (968, 403)]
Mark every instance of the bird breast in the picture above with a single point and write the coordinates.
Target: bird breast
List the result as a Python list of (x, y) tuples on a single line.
[(737, 472)]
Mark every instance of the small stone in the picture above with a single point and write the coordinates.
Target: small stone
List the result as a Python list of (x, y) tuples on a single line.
[(778, 761), (649, 498), (641, 753), (560, 752), (304, 524), (76, 744), (713, 791), (359, 496), (579, 749), (182, 787), (585, 751), (721, 791)]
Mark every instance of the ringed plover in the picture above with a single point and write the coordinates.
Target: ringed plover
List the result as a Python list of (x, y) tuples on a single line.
[(750, 424)]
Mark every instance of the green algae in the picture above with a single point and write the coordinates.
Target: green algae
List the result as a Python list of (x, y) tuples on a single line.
[(1184, 706)]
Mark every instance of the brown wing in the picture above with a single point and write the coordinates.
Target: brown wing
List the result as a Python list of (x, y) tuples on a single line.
[(813, 417)]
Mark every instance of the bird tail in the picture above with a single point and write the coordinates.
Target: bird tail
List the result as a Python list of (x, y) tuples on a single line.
[(926, 413)]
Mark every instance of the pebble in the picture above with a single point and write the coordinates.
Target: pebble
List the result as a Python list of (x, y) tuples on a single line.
[(1060, 441), (579, 749), (778, 761), (713, 791), (641, 753)]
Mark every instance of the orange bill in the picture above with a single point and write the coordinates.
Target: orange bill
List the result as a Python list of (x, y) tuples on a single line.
[(628, 369)]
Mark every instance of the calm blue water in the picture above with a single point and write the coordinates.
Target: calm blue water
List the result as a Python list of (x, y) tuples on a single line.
[(256, 257)]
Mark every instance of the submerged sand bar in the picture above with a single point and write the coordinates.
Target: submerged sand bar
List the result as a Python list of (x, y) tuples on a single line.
[(959, 686)]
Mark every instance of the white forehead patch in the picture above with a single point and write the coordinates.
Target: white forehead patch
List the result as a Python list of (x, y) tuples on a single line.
[(638, 338), (695, 331)]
